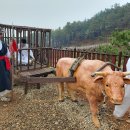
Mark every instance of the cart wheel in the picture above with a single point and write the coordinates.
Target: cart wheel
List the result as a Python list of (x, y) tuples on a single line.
[(45, 61)]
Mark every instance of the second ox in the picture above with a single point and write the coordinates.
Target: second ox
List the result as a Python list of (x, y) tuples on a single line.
[(106, 81)]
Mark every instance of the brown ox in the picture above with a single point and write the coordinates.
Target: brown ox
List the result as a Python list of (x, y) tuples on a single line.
[(106, 81)]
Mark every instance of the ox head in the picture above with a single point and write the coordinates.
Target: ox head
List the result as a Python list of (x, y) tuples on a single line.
[(113, 84)]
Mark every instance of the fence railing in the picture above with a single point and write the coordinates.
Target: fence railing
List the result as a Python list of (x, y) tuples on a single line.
[(119, 60), (54, 54)]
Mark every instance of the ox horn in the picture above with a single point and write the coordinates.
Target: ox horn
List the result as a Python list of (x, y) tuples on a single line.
[(98, 73), (126, 73)]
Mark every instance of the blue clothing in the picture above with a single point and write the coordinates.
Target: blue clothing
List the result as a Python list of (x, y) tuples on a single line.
[(5, 82)]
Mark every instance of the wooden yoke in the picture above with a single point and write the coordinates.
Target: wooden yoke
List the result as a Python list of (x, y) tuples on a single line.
[(75, 65)]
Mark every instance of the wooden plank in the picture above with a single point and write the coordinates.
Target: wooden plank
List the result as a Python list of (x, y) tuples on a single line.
[(50, 79)]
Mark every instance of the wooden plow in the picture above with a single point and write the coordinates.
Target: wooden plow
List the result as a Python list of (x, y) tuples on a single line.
[(40, 76)]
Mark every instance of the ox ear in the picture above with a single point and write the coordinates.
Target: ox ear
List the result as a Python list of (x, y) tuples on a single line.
[(126, 80), (98, 79)]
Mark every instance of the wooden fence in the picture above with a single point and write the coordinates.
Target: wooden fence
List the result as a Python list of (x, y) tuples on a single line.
[(119, 60), (39, 41), (53, 54)]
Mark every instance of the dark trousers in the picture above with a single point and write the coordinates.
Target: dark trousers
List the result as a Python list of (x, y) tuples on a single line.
[(5, 80)]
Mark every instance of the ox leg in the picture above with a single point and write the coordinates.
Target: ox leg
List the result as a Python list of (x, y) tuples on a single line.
[(71, 93), (94, 110), (61, 91)]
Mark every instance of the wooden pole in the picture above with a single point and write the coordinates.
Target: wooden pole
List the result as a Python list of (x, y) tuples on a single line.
[(12, 75), (12, 65)]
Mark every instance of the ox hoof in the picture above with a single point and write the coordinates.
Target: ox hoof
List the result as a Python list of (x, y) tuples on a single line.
[(96, 122), (75, 100), (97, 125), (62, 100)]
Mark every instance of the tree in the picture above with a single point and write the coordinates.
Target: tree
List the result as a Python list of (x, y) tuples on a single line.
[(119, 41)]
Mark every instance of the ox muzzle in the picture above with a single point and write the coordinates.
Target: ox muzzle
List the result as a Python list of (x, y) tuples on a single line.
[(116, 101)]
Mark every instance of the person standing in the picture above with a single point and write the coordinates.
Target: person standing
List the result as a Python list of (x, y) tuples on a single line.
[(25, 53), (120, 110), (5, 79)]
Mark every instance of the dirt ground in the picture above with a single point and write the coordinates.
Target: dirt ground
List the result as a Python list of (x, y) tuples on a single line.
[(40, 110)]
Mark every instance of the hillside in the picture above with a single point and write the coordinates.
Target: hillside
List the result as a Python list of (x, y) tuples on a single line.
[(98, 28)]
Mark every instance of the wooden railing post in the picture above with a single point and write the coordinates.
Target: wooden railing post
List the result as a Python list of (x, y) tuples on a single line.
[(75, 52), (119, 59)]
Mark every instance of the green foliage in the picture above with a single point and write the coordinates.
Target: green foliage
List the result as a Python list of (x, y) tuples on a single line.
[(119, 41), (107, 49)]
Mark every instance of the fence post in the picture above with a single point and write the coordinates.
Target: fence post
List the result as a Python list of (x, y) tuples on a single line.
[(75, 52), (125, 62), (49, 56), (119, 59)]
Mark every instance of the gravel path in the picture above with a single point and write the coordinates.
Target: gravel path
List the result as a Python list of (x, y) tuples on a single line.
[(40, 110)]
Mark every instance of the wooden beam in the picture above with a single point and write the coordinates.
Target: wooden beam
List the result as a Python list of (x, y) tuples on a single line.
[(50, 79)]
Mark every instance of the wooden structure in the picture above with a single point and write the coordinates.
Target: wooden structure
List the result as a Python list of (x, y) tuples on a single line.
[(36, 77), (37, 39)]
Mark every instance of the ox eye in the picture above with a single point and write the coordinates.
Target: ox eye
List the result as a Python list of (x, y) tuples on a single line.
[(123, 85), (107, 85)]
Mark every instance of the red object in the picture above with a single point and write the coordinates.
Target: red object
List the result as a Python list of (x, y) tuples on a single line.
[(7, 61), (13, 46)]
